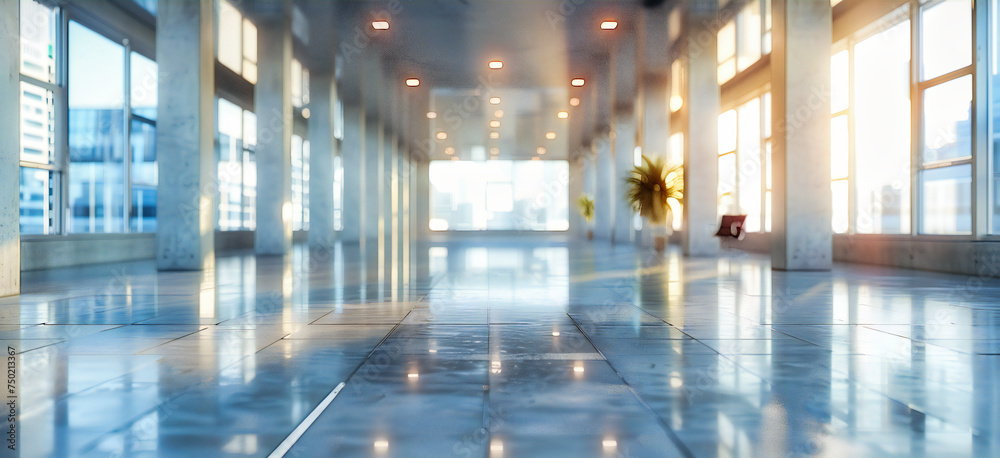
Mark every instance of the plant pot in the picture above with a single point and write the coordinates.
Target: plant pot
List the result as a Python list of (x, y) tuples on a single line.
[(660, 243), (660, 234)]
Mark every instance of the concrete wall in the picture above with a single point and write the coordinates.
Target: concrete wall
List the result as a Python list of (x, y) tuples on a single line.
[(50, 252)]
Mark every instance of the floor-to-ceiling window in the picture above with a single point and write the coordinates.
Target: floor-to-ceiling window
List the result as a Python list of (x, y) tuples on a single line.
[(300, 183), (236, 41), (96, 132), (142, 139), (499, 195), (744, 39), (870, 129), (945, 90), (40, 171), (994, 75), (744, 162), (236, 166)]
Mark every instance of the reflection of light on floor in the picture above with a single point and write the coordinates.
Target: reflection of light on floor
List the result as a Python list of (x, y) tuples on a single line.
[(609, 443), (578, 368), (495, 366), (243, 444), (413, 375), (381, 444), (496, 446)]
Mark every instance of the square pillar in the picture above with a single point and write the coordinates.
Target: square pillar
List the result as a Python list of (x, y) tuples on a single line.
[(273, 105), (352, 154), (701, 170), (624, 148), (10, 150), (323, 148), (185, 137), (801, 237)]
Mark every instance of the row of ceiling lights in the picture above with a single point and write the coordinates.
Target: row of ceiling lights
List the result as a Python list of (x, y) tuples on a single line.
[(497, 65)]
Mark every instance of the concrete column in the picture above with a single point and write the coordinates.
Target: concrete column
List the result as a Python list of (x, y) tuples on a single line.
[(577, 225), (273, 105), (605, 191), (323, 148), (352, 153), (701, 170), (624, 161), (10, 136), (185, 234), (801, 238), (373, 180), (656, 115), (323, 89)]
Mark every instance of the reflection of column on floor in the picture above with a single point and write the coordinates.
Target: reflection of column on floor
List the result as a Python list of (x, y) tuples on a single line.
[(373, 182), (352, 152), (623, 163)]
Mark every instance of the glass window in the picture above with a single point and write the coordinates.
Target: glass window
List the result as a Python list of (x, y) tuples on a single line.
[(727, 132), (750, 168), (839, 138), (946, 197), (296, 75), (469, 195), (229, 38), (882, 132), (994, 75), (142, 214), (38, 41), (148, 5), (676, 85), (750, 35), (947, 129), (727, 52), (230, 165), (841, 209), (37, 124), (727, 184), (676, 157), (945, 37), (96, 132), (143, 86), (840, 78), (35, 201), (300, 183), (249, 51), (338, 193)]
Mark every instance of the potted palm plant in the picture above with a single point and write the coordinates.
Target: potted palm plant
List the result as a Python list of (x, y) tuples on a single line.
[(586, 206), (650, 187)]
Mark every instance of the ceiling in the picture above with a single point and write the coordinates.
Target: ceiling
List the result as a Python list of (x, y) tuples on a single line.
[(447, 44)]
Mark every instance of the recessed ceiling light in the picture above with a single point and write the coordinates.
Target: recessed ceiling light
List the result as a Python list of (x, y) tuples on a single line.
[(574, 102), (498, 113), (540, 150), (449, 151), (442, 135), (562, 114), (550, 135), (578, 82), (495, 100), (494, 135), (494, 124), (494, 151), (306, 113), (496, 64), (380, 25), (609, 25), (431, 115), (412, 82)]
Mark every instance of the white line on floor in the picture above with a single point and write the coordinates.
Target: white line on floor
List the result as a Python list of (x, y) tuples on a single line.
[(292, 438)]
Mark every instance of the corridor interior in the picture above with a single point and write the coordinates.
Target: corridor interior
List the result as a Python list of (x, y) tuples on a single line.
[(527, 347)]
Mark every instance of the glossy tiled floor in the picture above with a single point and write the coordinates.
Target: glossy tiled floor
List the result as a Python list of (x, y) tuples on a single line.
[(513, 350)]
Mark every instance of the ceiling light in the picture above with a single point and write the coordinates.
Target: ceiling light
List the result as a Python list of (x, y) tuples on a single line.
[(540, 150), (609, 25), (494, 124), (562, 114), (494, 135), (380, 25), (449, 151), (550, 135), (494, 151), (412, 82), (495, 100), (496, 64), (498, 113), (431, 115), (306, 113), (577, 82), (574, 102), (442, 135)]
